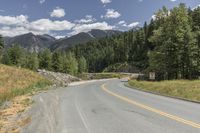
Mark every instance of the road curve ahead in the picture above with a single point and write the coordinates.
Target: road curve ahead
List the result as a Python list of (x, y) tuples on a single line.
[(110, 107)]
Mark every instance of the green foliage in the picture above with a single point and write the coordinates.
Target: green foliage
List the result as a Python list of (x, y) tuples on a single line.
[(57, 61), (175, 47), (16, 56), (32, 61), (118, 67), (45, 59), (6, 59), (168, 45), (70, 64), (82, 65), (1, 43), (39, 86)]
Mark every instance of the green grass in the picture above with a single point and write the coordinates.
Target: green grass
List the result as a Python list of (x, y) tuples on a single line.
[(15, 82), (89, 76), (41, 85), (177, 88)]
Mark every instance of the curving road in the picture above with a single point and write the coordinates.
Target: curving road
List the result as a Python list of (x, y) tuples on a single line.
[(110, 107)]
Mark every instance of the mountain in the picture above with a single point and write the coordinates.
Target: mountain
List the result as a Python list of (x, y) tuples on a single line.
[(37, 43), (82, 38), (30, 42)]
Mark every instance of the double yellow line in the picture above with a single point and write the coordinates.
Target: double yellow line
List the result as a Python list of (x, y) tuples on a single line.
[(173, 117)]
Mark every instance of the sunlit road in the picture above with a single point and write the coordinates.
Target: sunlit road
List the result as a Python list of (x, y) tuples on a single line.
[(110, 107)]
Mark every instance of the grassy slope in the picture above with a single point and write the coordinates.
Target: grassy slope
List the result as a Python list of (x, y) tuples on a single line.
[(15, 82), (179, 88)]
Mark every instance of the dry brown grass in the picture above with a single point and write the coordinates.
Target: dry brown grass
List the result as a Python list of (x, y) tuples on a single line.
[(17, 85), (178, 88), (15, 82), (9, 123), (11, 78)]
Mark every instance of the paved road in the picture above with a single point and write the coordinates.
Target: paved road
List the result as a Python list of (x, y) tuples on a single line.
[(110, 107)]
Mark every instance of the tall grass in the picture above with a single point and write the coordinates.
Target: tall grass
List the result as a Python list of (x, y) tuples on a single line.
[(15, 82), (178, 88)]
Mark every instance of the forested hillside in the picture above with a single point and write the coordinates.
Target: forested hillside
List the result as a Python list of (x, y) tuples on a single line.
[(168, 45)]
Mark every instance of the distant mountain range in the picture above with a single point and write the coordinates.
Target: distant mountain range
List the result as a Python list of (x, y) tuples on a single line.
[(30, 42), (36, 43)]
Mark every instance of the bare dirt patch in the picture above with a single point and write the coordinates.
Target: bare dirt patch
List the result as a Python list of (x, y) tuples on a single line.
[(11, 118)]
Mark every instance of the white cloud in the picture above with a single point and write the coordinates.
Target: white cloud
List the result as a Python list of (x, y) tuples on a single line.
[(12, 26), (87, 27), (17, 25), (87, 19), (173, 0), (12, 31), (48, 25), (59, 37), (106, 1), (9, 20), (42, 1), (121, 22), (131, 25), (134, 24), (111, 13), (58, 12), (2, 10)]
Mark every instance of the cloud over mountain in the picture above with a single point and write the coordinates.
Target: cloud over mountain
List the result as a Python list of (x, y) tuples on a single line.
[(111, 13), (58, 12)]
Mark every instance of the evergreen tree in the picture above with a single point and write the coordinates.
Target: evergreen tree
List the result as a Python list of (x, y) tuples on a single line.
[(138, 53), (82, 65), (33, 62), (17, 56), (1, 46), (70, 64), (1, 42), (168, 45), (57, 61), (6, 59), (45, 59), (174, 40)]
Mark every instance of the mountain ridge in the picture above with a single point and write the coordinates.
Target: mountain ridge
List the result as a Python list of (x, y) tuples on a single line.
[(37, 43)]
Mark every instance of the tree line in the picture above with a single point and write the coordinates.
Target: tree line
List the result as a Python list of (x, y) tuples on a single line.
[(56, 61), (169, 46)]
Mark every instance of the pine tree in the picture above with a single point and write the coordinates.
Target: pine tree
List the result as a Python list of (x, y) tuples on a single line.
[(57, 61), (6, 59), (138, 52), (45, 59), (195, 16), (33, 62), (1, 46), (82, 65), (70, 64), (17, 56)]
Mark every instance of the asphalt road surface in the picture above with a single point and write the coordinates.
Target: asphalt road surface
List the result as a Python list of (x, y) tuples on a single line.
[(110, 107)]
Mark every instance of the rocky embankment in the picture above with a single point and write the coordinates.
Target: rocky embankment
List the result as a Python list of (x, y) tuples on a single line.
[(58, 79)]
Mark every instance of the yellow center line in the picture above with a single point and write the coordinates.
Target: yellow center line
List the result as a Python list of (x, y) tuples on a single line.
[(173, 117)]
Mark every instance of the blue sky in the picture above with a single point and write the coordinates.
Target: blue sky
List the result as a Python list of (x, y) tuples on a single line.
[(68, 17)]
